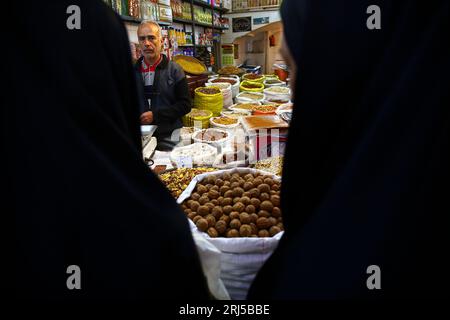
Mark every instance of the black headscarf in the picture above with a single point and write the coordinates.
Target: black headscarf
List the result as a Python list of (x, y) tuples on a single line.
[(366, 176), (78, 189)]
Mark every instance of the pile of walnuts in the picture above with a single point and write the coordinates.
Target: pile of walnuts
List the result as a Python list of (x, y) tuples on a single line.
[(236, 205)]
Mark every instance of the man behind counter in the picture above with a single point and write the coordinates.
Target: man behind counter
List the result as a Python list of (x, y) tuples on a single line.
[(166, 90)]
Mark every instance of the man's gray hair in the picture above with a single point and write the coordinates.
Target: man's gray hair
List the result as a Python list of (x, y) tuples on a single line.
[(144, 22)]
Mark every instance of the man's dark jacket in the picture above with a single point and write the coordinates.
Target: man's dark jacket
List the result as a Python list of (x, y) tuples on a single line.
[(169, 95)]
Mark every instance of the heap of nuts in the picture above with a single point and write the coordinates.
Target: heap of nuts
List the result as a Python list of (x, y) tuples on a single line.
[(178, 180), (236, 205)]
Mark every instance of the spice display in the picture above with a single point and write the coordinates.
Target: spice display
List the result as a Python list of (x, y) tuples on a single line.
[(278, 90), (230, 70), (197, 118), (273, 82), (221, 86), (236, 205), (252, 76), (230, 81), (177, 180), (199, 113), (277, 101), (190, 64), (249, 85), (264, 109), (251, 96), (209, 90), (236, 114)]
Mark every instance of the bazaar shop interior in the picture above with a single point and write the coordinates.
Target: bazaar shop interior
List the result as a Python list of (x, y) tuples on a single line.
[(224, 165), (237, 80)]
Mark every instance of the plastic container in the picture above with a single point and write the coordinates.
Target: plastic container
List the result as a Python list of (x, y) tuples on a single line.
[(282, 74)]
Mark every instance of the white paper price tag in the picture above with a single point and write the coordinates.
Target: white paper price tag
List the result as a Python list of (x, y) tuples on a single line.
[(184, 162)]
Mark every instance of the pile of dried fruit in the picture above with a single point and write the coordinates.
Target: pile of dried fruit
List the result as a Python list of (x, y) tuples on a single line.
[(236, 205), (273, 165), (178, 180)]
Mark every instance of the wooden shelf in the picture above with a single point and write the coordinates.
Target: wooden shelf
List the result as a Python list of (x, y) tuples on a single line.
[(201, 24), (256, 9), (137, 21), (220, 28), (208, 6), (180, 20)]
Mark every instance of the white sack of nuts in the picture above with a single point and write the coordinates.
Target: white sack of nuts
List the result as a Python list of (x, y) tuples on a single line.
[(236, 210)]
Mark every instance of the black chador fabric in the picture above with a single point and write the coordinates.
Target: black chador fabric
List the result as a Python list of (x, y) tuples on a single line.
[(366, 176), (78, 189)]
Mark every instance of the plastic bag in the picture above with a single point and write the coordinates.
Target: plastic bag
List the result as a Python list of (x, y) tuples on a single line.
[(251, 86), (234, 87), (210, 261), (225, 88), (211, 102), (240, 258)]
